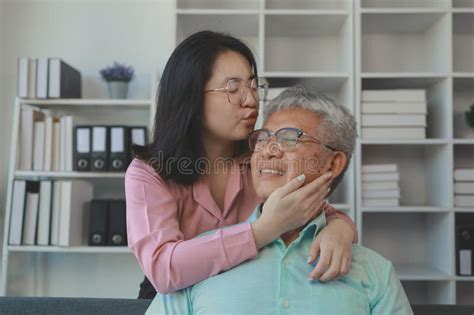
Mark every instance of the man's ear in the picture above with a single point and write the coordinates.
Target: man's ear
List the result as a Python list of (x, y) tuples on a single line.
[(338, 163)]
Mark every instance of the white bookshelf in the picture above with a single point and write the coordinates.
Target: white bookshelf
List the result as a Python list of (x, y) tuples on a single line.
[(40, 270), (344, 46), (413, 44)]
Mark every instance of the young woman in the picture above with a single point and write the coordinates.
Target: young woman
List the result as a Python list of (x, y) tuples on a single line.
[(193, 176)]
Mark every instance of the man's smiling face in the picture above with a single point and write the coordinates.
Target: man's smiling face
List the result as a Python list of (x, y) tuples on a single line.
[(273, 167)]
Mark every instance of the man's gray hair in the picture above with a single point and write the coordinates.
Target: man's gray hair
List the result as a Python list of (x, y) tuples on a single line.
[(338, 126)]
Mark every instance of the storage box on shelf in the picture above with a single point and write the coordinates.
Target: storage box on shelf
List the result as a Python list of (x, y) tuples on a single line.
[(53, 265)]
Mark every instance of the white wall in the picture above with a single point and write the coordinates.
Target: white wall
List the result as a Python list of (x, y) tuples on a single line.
[(88, 34)]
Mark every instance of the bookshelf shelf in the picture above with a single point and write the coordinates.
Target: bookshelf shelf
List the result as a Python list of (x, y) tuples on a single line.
[(464, 141), (64, 175), (302, 12), (464, 210), (467, 279), (307, 5), (418, 76), (211, 5), (422, 142), (414, 5), (414, 272), (77, 249), (216, 12), (302, 74), (87, 102), (406, 209), (463, 10), (463, 75), (403, 11)]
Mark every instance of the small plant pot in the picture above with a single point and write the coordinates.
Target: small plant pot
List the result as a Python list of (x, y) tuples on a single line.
[(118, 89)]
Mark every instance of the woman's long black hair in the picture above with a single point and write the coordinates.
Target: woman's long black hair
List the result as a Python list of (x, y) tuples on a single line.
[(176, 147)]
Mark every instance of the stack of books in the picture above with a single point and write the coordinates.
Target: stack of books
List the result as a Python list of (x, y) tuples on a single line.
[(380, 185), (394, 114), (55, 144), (47, 78), (464, 187)]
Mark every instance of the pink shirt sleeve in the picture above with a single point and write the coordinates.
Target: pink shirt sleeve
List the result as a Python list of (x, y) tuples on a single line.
[(170, 262), (332, 213)]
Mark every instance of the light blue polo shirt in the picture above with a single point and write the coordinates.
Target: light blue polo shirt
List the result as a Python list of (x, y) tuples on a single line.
[(275, 282)]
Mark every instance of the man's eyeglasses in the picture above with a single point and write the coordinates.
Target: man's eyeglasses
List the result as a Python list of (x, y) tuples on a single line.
[(237, 89), (286, 138)]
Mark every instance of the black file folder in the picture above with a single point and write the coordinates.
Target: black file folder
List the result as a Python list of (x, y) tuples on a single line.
[(63, 80), (82, 149), (117, 235), (118, 149), (98, 223), (465, 250), (100, 144)]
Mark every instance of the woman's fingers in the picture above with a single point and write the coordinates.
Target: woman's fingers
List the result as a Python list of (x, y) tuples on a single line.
[(291, 186), (314, 250), (334, 269), (322, 265), (346, 264), (320, 184)]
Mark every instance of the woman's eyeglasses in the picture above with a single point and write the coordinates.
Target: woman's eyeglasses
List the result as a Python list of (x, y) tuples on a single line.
[(286, 138), (237, 89)]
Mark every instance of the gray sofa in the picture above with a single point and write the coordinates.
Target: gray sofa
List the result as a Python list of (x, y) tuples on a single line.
[(86, 306)]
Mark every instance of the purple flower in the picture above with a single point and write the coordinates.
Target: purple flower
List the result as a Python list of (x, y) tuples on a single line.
[(117, 72)]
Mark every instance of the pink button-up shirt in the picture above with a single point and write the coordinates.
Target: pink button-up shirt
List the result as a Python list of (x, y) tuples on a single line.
[(164, 217)]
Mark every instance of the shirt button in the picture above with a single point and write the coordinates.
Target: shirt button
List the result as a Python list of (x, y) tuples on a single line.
[(285, 303), (287, 262)]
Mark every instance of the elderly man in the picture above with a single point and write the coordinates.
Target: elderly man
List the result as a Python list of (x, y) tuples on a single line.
[(310, 134)]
